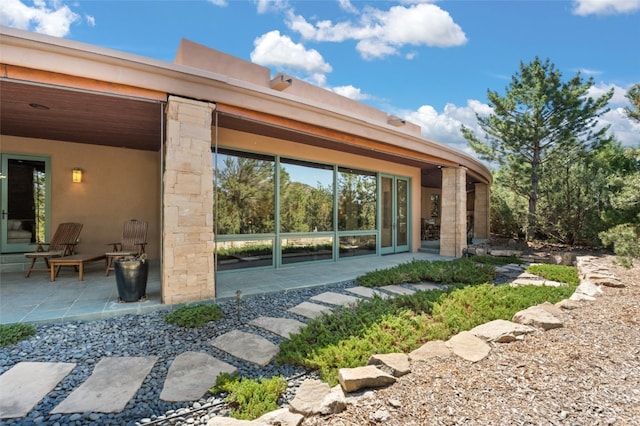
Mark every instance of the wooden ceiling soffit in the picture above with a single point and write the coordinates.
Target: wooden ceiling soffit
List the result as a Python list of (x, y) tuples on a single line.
[(250, 121)]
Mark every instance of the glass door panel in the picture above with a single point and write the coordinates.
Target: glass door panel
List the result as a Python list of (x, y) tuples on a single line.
[(394, 232), (24, 191)]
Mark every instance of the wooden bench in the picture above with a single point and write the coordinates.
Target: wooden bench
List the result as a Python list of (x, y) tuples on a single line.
[(77, 260)]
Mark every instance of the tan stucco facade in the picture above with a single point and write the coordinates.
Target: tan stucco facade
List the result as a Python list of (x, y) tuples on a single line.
[(204, 99), (118, 184)]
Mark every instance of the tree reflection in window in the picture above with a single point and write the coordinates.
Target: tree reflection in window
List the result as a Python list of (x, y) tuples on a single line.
[(245, 190), (357, 200)]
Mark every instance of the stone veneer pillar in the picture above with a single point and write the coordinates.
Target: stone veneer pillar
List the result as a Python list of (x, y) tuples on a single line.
[(453, 211), (481, 211), (187, 234)]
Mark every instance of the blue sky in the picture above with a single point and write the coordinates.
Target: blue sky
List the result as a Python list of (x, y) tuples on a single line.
[(430, 62)]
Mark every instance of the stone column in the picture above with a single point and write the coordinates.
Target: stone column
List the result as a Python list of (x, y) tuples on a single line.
[(481, 211), (453, 212), (187, 234)]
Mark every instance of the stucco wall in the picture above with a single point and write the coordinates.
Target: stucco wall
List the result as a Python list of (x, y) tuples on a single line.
[(118, 185), (238, 140)]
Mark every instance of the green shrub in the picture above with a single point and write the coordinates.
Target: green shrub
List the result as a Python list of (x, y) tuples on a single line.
[(462, 271), (347, 338), (465, 308), (559, 273), (497, 260), (14, 333), (250, 399), (194, 316)]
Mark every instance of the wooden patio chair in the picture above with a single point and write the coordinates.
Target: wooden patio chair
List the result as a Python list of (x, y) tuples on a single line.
[(62, 244), (133, 243)]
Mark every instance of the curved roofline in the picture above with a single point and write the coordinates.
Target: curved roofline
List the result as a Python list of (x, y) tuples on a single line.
[(71, 57)]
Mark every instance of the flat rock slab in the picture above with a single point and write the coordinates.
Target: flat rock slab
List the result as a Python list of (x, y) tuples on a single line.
[(26, 383), (431, 349), (338, 299), (354, 379), (538, 316), (246, 346), (469, 347), (367, 292), (501, 331), (310, 310), (396, 364), (191, 375), (114, 381), (396, 289), (426, 286), (541, 282), (284, 327)]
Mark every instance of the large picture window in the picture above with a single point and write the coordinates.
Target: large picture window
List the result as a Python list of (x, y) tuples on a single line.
[(245, 193), (273, 210), (306, 196)]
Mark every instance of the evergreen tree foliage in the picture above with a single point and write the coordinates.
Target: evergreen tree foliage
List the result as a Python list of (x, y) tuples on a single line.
[(539, 123)]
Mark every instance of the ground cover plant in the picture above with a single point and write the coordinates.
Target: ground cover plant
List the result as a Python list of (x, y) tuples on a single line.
[(14, 333), (194, 315), (559, 273), (349, 336), (460, 271), (250, 399)]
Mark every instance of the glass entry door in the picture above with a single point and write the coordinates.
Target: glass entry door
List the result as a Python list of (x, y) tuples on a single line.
[(24, 194), (394, 233)]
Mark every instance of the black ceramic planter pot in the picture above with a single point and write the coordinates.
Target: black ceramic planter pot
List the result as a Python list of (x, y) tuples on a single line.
[(131, 278)]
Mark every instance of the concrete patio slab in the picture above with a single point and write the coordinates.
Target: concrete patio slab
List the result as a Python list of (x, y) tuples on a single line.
[(114, 381), (310, 310), (246, 346), (338, 299), (26, 383), (284, 327), (397, 290), (191, 375)]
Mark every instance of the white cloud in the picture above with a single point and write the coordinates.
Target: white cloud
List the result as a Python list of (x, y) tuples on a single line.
[(264, 6), (347, 6), (52, 18), (351, 92), (274, 49), (605, 7), (221, 3), (382, 33)]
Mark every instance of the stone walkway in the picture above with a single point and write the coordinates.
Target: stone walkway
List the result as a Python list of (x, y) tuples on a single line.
[(115, 380)]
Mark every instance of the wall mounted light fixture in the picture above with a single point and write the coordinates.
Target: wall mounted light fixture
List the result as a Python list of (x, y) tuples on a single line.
[(76, 175)]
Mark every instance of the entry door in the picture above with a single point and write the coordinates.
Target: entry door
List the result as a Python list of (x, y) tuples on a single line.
[(24, 194), (394, 236)]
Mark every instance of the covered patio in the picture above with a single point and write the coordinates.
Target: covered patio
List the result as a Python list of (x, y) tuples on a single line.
[(37, 300)]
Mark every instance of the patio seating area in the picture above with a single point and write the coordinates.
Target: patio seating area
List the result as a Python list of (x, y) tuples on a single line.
[(38, 300)]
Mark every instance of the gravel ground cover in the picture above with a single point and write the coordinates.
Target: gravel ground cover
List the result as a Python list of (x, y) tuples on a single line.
[(85, 343)]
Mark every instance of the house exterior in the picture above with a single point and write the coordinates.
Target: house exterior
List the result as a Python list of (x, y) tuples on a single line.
[(232, 167)]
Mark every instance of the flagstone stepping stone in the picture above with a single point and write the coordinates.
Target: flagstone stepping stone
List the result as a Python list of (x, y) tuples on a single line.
[(26, 383), (246, 346), (332, 298), (114, 381), (397, 290), (309, 310), (191, 375), (284, 327), (426, 286), (367, 292)]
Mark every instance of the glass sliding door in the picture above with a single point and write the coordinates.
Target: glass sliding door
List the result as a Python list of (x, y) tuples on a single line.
[(394, 212), (25, 195)]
